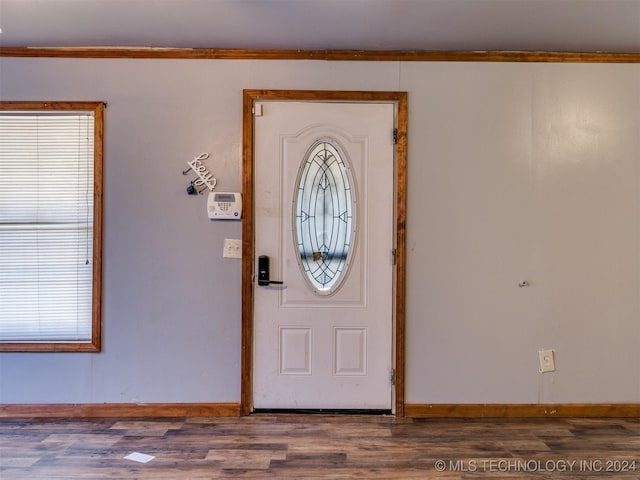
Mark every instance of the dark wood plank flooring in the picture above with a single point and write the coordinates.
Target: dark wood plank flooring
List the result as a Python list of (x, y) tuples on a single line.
[(320, 447)]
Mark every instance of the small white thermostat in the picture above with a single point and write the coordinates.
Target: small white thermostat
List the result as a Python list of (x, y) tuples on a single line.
[(224, 205)]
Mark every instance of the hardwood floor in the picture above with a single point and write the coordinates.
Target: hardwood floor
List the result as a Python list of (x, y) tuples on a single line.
[(320, 447)]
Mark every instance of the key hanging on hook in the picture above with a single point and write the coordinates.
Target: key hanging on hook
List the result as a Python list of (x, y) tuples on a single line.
[(192, 190)]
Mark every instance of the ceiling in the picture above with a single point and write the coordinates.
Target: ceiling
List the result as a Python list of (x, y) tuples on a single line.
[(528, 25)]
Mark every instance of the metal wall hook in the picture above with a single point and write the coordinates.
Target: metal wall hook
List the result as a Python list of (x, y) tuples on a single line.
[(204, 179)]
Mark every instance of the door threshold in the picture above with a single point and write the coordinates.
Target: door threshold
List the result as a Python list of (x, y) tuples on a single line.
[(322, 411)]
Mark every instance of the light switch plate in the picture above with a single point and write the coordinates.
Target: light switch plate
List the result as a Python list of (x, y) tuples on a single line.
[(232, 248), (547, 360)]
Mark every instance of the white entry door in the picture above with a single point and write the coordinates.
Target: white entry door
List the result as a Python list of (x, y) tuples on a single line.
[(324, 216)]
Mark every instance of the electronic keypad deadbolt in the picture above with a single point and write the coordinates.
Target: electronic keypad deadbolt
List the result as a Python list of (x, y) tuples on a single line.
[(263, 272)]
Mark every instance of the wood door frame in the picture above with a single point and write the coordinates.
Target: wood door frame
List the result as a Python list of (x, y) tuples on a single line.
[(248, 260)]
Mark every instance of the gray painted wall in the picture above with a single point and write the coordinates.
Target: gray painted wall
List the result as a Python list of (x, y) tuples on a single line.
[(516, 171)]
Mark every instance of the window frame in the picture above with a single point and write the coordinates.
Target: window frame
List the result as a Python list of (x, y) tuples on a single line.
[(303, 195), (95, 344)]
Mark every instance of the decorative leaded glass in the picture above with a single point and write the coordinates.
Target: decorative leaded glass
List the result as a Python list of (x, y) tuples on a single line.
[(324, 216)]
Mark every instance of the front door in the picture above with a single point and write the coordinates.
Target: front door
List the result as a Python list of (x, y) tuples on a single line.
[(324, 221)]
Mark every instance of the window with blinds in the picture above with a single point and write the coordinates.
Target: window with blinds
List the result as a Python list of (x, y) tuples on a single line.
[(50, 226)]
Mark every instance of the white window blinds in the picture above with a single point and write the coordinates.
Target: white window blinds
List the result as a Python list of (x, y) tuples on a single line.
[(46, 226)]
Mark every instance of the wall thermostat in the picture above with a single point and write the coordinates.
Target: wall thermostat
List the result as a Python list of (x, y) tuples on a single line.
[(224, 205)]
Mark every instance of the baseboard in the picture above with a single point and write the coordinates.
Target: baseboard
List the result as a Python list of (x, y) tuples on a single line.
[(111, 410), (412, 410), (498, 410)]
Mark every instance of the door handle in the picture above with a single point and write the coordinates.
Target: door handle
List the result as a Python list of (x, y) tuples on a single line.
[(264, 272)]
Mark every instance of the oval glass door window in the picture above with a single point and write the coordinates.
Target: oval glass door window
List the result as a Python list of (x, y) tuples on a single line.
[(324, 217)]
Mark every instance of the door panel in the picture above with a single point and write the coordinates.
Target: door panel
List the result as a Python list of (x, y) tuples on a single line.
[(313, 349)]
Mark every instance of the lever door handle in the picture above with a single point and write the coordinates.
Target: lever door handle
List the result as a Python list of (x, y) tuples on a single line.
[(263, 272)]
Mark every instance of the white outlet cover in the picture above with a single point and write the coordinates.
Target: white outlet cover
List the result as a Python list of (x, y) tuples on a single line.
[(547, 360)]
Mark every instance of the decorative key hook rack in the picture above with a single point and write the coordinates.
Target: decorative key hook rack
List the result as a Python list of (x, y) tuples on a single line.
[(205, 178)]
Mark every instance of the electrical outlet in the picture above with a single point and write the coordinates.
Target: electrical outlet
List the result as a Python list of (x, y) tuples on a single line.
[(547, 360), (232, 248)]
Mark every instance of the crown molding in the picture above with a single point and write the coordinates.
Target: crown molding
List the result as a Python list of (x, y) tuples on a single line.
[(333, 55)]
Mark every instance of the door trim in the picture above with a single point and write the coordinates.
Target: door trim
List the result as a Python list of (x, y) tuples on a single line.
[(248, 260)]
